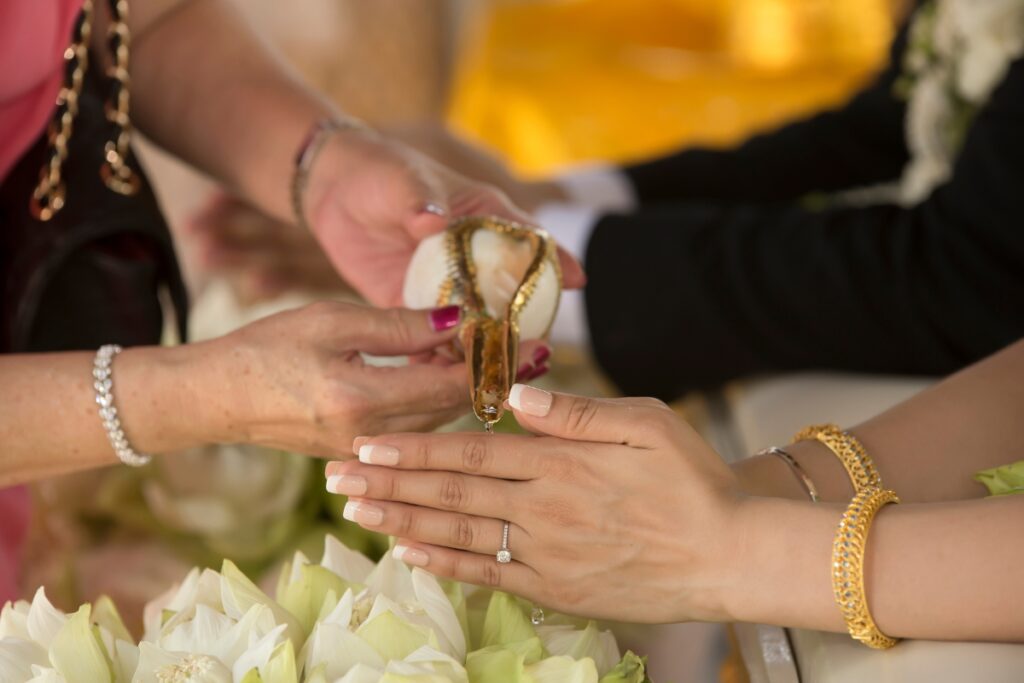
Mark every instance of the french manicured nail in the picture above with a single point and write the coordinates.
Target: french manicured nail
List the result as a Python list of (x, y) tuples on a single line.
[(535, 373), (446, 318), (363, 513), (378, 455), (357, 443), (413, 556), (346, 484), (530, 400), (434, 208), (541, 354)]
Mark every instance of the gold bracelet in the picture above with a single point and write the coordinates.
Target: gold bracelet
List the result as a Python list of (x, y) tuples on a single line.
[(805, 481), (848, 566), (850, 452)]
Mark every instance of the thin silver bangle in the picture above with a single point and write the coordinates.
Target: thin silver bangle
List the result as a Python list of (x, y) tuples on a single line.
[(103, 383), (310, 148), (795, 468)]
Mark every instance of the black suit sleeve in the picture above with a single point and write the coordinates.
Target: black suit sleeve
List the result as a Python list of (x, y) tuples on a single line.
[(689, 296), (859, 144)]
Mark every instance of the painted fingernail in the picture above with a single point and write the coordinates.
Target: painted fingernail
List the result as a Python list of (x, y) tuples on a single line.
[(541, 354), (537, 372), (363, 513), (357, 443), (413, 556), (434, 208), (346, 484), (378, 455), (530, 400), (446, 318)]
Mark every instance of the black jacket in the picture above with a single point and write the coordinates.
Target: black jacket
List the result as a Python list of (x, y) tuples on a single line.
[(724, 272)]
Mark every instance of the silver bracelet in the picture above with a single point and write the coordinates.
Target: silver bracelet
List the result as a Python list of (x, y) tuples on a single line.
[(315, 140), (104, 386), (805, 481)]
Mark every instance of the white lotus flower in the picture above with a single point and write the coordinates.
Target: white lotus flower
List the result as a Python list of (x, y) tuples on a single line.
[(588, 643)]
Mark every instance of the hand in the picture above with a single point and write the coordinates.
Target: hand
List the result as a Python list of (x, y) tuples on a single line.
[(371, 201), (621, 512), (475, 162), (297, 380)]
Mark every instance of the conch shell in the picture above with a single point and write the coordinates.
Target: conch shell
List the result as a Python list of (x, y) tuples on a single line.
[(507, 279)]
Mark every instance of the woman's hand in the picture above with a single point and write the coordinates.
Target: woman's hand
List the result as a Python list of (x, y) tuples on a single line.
[(371, 201), (620, 511), (297, 380)]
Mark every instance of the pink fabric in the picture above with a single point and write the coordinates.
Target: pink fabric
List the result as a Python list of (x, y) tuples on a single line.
[(33, 36)]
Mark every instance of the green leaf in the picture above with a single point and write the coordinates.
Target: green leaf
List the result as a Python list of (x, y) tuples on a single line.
[(1003, 481), (631, 669), (393, 637), (505, 622), (77, 653)]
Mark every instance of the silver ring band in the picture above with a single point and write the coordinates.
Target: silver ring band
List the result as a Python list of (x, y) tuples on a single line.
[(504, 555)]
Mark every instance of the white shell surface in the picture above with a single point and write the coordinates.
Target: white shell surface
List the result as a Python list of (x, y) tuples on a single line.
[(501, 263)]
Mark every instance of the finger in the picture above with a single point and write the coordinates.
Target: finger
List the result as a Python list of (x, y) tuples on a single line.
[(449, 529), (514, 577), (573, 276), (499, 456), (399, 331), (445, 491), (621, 421)]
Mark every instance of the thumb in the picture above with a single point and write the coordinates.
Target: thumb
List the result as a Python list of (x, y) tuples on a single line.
[(402, 331), (620, 421)]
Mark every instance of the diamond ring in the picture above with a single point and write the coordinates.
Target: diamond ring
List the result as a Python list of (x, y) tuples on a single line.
[(504, 555)]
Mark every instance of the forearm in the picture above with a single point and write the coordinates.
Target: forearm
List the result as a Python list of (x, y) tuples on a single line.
[(927, 448), (212, 92), (49, 421), (939, 571)]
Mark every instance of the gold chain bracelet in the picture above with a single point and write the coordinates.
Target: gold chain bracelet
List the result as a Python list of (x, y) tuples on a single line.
[(848, 566), (850, 452)]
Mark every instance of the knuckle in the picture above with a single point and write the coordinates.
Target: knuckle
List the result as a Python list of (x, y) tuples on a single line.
[(453, 492), (474, 456), (390, 488), (462, 532), (581, 414), (397, 328), (490, 574), (407, 525)]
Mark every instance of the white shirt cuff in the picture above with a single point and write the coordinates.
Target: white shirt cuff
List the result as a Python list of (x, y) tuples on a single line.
[(570, 226), (600, 187)]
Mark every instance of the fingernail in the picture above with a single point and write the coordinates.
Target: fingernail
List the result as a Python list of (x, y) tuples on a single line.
[(541, 354), (362, 513), (434, 208), (413, 556), (357, 443), (537, 372), (530, 400), (378, 455), (442, 319), (346, 484)]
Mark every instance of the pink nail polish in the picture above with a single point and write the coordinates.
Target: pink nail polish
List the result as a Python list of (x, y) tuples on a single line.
[(378, 455), (537, 372), (530, 400), (524, 371), (540, 355), (442, 319), (363, 514), (413, 556)]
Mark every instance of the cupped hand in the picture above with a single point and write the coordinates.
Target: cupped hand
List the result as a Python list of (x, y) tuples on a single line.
[(370, 201), (617, 510), (298, 380)]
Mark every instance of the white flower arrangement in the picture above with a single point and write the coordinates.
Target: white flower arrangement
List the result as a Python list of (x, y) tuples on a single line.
[(344, 620), (958, 52)]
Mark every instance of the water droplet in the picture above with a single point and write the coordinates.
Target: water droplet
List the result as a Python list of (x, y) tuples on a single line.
[(537, 616)]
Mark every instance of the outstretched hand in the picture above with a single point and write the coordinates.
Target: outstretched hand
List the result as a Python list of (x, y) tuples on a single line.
[(618, 510)]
